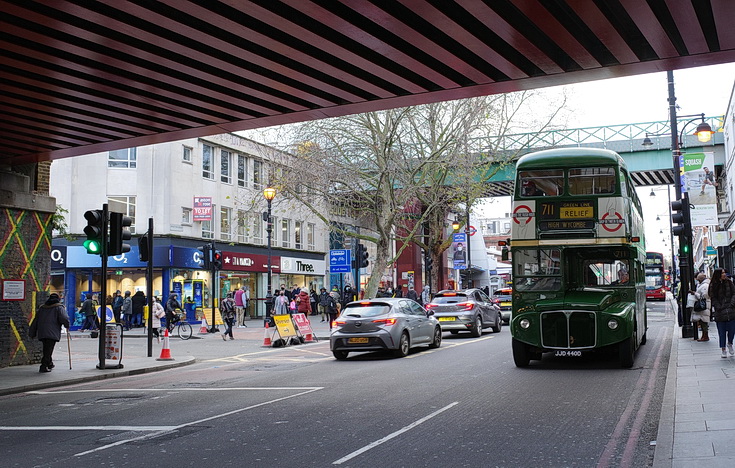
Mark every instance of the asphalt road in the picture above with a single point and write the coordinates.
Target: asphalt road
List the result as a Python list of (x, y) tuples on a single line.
[(464, 404)]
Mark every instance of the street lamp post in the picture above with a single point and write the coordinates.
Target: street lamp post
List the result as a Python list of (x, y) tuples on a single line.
[(269, 194), (469, 246), (704, 133)]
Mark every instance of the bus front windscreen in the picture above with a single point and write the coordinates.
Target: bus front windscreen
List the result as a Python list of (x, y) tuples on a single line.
[(537, 269)]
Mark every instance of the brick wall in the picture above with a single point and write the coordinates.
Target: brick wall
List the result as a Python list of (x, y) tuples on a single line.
[(25, 254)]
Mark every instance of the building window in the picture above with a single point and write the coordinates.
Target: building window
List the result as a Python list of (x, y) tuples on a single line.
[(506, 226), (297, 228), (257, 175), (225, 223), (310, 228), (242, 170), (122, 158), (186, 155), (124, 205), (285, 233), (257, 232), (207, 232), (491, 228), (225, 167), (208, 162), (186, 216)]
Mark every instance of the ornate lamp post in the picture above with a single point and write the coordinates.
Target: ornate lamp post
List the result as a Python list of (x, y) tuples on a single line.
[(269, 193)]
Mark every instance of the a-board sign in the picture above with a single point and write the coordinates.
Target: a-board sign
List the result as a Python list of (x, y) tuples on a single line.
[(284, 325), (303, 324)]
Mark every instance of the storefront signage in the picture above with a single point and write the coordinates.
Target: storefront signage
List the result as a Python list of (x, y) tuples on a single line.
[(202, 209), (240, 261), (77, 257), (58, 257), (302, 266)]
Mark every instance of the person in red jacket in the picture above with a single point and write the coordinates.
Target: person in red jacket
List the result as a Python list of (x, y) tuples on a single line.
[(303, 302)]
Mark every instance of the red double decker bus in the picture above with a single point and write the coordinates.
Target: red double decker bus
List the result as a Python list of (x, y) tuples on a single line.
[(656, 285)]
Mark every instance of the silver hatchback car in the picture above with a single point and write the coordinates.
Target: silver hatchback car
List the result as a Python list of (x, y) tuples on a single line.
[(383, 324), (469, 310)]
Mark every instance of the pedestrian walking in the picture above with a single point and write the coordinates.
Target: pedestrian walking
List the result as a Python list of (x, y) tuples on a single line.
[(240, 306), (702, 292), (333, 309), (722, 293), (292, 306), (138, 300), (46, 325), (413, 295), (426, 295), (117, 303), (158, 314), (324, 304), (90, 317), (127, 311), (399, 291), (228, 313), (313, 300)]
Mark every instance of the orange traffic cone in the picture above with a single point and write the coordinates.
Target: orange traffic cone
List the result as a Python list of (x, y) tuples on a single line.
[(267, 337), (203, 330), (309, 336), (165, 351)]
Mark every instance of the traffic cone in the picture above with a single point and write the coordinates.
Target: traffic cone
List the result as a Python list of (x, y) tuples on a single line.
[(267, 337), (203, 329), (165, 351), (309, 336)]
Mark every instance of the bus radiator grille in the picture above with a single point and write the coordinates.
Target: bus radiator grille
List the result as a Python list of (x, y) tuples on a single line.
[(568, 329)]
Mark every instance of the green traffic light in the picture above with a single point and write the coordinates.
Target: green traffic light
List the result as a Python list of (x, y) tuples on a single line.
[(92, 246), (685, 249)]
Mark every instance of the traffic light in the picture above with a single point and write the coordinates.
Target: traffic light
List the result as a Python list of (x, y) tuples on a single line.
[(680, 218), (217, 259), (206, 256), (119, 233), (361, 256), (95, 231), (143, 254), (428, 261)]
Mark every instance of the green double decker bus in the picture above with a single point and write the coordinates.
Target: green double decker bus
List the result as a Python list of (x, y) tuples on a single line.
[(578, 257)]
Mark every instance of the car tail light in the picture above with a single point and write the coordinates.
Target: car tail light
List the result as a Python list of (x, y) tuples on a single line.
[(430, 306), (466, 305), (338, 323), (387, 321), (496, 300)]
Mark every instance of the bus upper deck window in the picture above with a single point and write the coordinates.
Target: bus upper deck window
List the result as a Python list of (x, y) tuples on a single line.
[(592, 181), (541, 183)]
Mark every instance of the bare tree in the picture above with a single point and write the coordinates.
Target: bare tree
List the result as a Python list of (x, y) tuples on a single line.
[(401, 172)]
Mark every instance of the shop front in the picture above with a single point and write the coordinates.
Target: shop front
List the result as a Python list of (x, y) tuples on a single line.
[(248, 270), (304, 272)]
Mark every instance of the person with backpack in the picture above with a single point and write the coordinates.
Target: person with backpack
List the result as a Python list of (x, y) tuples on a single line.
[(227, 311), (172, 305)]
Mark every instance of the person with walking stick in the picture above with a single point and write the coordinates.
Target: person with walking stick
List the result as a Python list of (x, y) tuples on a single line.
[(50, 317)]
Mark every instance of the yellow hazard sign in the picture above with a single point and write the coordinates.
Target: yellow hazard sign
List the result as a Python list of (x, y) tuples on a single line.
[(284, 325)]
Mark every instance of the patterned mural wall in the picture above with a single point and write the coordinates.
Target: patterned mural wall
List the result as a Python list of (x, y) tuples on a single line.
[(25, 254)]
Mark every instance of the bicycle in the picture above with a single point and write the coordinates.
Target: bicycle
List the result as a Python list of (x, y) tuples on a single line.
[(183, 329)]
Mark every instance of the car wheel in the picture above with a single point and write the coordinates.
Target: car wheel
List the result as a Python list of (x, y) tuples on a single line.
[(437, 338), (340, 355), (403, 346), (499, 325), (477, 329), (521, 356)]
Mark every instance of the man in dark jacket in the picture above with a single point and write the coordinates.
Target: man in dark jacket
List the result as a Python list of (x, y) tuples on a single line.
[(47, 327), (172, 305), (139, 302), (324, 298), (90, 317), (117, 303)]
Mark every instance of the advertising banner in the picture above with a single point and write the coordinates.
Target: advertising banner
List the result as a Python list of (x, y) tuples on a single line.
[(459, 245), (701, 185)]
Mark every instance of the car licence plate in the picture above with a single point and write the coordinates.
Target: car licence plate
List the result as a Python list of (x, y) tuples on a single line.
[(358, 340), (568, 354), (447, 319), (505, 304)]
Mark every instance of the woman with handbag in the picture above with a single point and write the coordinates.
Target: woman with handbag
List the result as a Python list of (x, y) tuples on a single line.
[(702, 306), (722, 293)]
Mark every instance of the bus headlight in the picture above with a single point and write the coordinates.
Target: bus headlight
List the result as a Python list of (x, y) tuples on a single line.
[(612, 324), (524, 323)]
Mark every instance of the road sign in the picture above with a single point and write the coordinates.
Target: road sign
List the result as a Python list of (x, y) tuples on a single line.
[(472, 230), (339, 261)]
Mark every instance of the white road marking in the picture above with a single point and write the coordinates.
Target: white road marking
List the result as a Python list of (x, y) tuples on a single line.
[(393, 435), (89, 428), (170, 390), (424, 353), (193, 423)]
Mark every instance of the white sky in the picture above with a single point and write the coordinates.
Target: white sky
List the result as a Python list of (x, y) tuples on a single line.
[(644, 98)]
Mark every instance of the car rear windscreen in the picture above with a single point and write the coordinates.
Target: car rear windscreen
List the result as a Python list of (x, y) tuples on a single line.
[(450, 299), (361, 310)]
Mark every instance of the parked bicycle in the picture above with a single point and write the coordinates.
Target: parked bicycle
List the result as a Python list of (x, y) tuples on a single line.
[(181, 327)]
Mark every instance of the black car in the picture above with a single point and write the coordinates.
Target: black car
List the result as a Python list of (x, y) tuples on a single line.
[(468, 310)]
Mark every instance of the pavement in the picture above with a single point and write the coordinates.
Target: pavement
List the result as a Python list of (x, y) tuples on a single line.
[(697, 424)]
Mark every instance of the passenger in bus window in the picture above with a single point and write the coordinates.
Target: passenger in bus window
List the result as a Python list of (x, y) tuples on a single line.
[(530, 189), (623, 277)]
